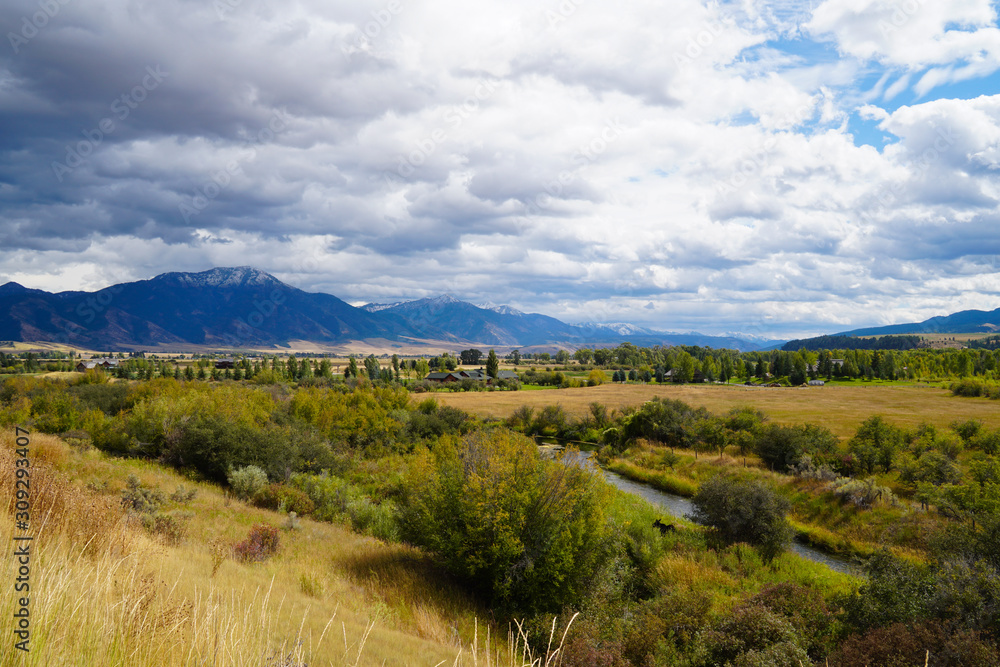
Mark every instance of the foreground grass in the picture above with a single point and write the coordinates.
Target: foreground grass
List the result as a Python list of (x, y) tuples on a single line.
[(106, 592), (839, 408)]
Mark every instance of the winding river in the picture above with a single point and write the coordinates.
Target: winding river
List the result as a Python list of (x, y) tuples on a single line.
[(680, 507)]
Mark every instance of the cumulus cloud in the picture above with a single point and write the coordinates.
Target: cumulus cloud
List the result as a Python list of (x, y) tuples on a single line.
[(686, 165)]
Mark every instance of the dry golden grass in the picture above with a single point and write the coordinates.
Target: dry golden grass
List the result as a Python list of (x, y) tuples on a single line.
[(105, 592), (839, 408)]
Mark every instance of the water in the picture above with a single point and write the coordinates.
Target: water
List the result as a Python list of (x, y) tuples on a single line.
[(680, 507)]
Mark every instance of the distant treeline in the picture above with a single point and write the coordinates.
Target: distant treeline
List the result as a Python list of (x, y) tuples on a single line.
[(854, 343), (988, 343)]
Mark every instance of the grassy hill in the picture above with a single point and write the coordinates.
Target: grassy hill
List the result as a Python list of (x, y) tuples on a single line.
[(106, 592)]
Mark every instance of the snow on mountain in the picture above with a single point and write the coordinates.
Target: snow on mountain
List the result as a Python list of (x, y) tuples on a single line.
[(501, 309), (237, 276)]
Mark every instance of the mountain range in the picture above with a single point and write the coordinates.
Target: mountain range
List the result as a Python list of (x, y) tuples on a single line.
[(243, 307), (965, 321)]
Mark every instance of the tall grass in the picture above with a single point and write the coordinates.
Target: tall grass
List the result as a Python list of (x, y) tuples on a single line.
[(106, 592)]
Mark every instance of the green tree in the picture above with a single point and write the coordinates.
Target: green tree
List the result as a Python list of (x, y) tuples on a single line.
[(372, 367), (492, 365), (352, 368), (515, 357), (527, 534), (395, 366), (744, 511), (471, 357)]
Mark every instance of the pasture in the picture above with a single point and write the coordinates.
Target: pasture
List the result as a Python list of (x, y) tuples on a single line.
[(839, 408)]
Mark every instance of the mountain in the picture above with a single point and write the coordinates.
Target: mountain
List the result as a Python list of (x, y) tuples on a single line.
[(904, 336), (464, 321), (223, 307), (245, 307), (965, 321)]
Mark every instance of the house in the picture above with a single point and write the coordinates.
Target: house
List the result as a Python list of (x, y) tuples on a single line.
[(698, 376), (444, 376), (479, 375), (104, 364), (226, 362), (816, 383)]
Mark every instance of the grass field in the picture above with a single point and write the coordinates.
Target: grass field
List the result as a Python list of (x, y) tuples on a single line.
[(104, 592), (839, 408)]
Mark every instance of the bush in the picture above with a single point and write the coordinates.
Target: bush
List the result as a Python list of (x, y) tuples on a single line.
[(875, 445), (523, 532), (262, 543), (171, 526), (247, 482), (744, 511), (338, 500), (864, 493), (907, 645), (751, 636), (805, 609), (782, 447), (141, 499), (281, 497)]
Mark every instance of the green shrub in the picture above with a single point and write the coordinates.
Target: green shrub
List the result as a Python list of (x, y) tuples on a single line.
[(744, 511), (751, 636), (247, 482), (284, 498), (141, 499), (523, 532), (864, 493)]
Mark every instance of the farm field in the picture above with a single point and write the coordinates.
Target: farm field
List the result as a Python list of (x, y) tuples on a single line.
[(840, 409)]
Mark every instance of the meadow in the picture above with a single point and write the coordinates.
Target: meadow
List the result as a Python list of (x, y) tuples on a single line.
[(839, 408)]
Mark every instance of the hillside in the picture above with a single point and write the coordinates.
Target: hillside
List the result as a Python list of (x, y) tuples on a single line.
[(330, 596), (966, 321)]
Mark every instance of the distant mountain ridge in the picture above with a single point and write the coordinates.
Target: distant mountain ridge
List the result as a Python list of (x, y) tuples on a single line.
[(246, 307), (905, 336), (965, 321)]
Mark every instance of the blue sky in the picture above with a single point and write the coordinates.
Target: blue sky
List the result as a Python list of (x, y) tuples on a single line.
[(773, 167)]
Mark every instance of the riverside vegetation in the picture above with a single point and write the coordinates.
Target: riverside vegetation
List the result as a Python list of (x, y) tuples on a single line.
[(457, 522)]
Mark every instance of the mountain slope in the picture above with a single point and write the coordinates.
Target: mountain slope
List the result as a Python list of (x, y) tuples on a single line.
[(965, 321)]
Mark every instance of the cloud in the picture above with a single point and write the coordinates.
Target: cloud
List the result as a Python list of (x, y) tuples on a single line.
[(572, 158)]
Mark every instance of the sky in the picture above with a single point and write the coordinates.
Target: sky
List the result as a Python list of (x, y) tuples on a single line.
[(769, 167)]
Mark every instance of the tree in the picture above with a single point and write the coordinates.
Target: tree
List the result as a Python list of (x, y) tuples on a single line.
[(492, 365), (875, 444), (352, 368), (372, 368), (584, 355), (744, 511), (562, 356), (395, 366), (524, 532), (515, 356), (471, 357), (422, 368)]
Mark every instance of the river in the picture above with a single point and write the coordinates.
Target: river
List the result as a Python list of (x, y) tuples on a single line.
[(681, 507)]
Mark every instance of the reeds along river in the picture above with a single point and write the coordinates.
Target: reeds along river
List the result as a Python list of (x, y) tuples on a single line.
[(681, 507)]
